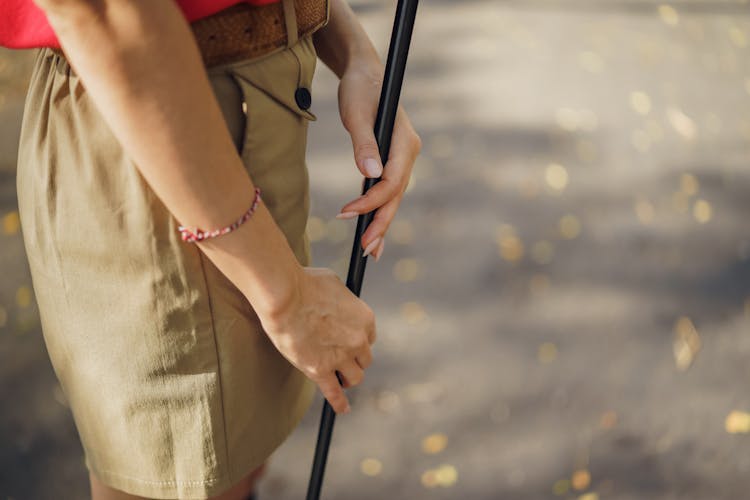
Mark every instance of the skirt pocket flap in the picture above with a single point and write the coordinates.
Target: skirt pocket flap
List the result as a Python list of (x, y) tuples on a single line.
[(286, 77)]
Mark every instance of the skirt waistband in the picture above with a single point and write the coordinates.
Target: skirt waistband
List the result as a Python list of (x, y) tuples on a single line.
[(245, 31)]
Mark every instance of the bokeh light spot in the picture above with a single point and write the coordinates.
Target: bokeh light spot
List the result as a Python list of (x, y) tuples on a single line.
[(429, 479), (443, 476), (681, 123), (511, 249), (570, 227), (406, 270), (316, 229), (371, 467), (737, 422), (387, 402), (669, 15), (561, 487), (11, 223), (23, 296), (702, 211), (737, 36), (640, 102), (581, 479), (434, 443), (556, 176), (686, 343), (413, 313), (592, 495), (547, 353)]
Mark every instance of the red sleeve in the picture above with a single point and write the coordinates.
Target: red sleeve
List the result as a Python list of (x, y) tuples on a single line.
[(23, 25)]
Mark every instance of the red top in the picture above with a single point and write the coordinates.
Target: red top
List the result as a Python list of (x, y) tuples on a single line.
[(23, 25)]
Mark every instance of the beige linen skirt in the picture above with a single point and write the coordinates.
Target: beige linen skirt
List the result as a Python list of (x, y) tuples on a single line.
[(174, 387)]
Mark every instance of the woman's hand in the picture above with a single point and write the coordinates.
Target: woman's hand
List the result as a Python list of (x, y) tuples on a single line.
[(323, 329), (359, 93)]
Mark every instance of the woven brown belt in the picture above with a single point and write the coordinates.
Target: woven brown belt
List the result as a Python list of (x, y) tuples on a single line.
[(246, 31)]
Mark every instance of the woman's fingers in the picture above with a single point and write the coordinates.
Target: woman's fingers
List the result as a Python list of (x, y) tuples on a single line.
[(351, 373), (366, 153), (326, 332), (379, 251), (364, 359), (373, 239), (389, 186), (379, 225), (405, 146), (333, 392)]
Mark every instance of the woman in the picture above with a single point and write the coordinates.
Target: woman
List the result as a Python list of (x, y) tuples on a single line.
[(186, 362)]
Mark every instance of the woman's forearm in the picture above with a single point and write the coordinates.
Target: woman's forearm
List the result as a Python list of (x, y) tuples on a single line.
[(139, 62), (343, 41)]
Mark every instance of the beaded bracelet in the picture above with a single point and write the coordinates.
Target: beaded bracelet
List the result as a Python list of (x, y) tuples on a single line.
[(200, 235)]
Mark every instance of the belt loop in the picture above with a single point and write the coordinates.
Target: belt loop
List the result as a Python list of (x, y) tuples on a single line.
[(290, 19)]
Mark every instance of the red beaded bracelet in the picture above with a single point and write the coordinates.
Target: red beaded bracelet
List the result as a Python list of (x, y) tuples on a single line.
[(198, 235)]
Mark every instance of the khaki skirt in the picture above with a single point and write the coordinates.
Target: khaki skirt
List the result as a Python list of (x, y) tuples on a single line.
[(174, 387)]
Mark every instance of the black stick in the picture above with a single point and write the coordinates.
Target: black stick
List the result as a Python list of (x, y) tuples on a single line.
[(398, 51)]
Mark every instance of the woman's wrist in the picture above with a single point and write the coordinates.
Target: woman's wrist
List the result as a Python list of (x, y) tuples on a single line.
[(257, 259), (275, 315), (368, 65), (274, 308), (361, 55), (343, 42)]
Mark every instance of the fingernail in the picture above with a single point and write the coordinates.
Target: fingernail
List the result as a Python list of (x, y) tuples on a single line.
[(346, 215), (369, 248), (379, 251), (348, 408), (373, 168)]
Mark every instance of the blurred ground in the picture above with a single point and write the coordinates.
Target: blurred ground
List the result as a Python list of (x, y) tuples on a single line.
[(564, 299)]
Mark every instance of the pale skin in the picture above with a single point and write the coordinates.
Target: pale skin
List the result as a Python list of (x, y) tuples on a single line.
[(172, 132)]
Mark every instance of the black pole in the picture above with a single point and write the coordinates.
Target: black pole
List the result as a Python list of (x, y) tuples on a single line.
[(406, 12)]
